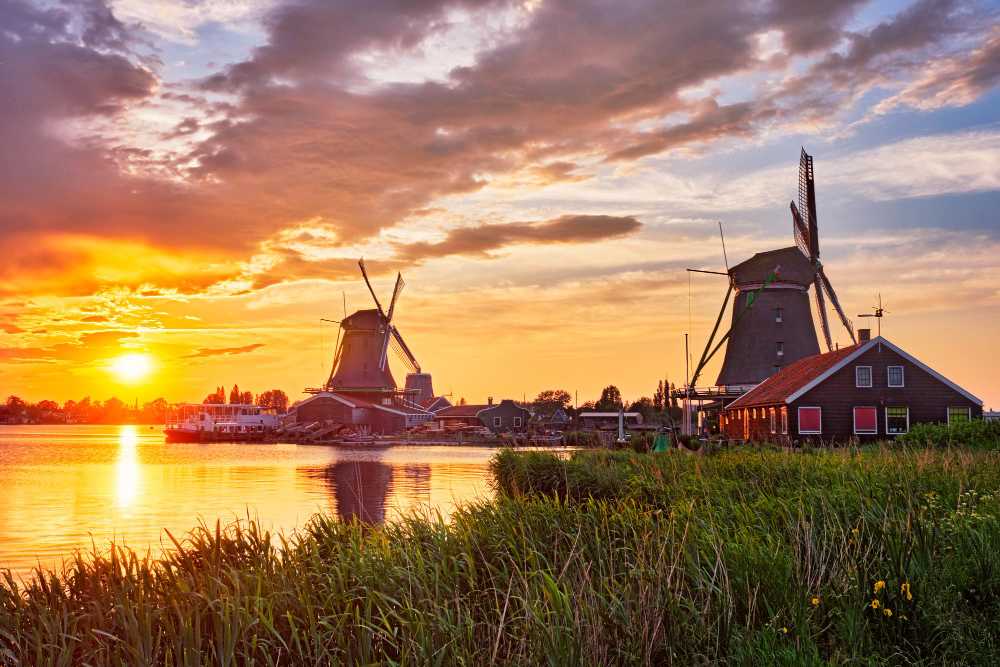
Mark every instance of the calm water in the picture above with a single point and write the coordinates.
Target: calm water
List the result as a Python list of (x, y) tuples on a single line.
[(62, 485)]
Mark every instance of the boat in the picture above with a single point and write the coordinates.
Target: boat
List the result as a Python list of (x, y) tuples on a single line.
[(211, 422)]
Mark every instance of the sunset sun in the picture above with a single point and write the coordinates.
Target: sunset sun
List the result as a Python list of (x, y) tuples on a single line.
[(131, 367)]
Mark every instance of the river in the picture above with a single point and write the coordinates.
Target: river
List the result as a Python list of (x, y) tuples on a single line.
[(64, 488)]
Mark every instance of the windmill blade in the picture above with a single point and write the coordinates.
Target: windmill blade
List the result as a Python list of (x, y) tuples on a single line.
[(400, 345), (821, 309), (384, 339), (801, 230), (361, 263), (807, 202), (395, 294), (828, 288)]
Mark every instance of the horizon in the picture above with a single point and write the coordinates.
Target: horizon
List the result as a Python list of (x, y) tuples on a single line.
[(187, 191)]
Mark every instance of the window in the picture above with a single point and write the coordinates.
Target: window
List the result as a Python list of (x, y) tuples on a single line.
[(496, 421), (777, 368), (959, 415), (862, 376), (777, 314), (865, 420), (781, 349), (895, 376), (774, 428), (517, 422), (784, 420), (897, 420), (810, 420), (755, 413)]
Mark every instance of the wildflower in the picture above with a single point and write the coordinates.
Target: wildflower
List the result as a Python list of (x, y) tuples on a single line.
[(905, 618), (905, 588), (815, 600), (874, 604), (887, 611), (879, 585), (785, 630), (854, 530)]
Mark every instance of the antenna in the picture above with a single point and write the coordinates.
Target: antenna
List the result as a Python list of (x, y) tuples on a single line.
[(879, 313)]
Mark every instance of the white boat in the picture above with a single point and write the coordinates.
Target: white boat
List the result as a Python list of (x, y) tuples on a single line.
[(196, 422)]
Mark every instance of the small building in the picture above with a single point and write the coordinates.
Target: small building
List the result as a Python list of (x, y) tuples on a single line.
[(334, 407), (503, 416), (435, 404), (597, 419), (869, 390), (559, 420)]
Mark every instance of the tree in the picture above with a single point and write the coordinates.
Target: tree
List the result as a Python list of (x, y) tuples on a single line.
[(275, 398), (218, 397), (550, 400), (155, 411), (247, 398), (47, 406), (610, 399), (235, 395), (114, 410), (658, 397), (643, 406), (15, 403), (673, 397), (462, 401)]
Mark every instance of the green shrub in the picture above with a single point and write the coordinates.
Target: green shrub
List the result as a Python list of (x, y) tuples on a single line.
[(975, 433)]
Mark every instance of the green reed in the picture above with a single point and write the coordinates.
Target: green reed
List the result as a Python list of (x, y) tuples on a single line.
[(742, 557)]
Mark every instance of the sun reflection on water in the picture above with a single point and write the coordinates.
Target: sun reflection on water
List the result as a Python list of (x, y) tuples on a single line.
[(128, 466)]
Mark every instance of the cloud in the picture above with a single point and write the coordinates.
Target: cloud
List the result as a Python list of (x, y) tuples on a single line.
[(220, 351), (480, 240)]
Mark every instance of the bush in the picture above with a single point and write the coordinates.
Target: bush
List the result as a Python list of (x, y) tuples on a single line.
[(975, 433)]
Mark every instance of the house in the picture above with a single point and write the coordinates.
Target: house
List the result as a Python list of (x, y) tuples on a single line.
[(503, 416), (558, 420), (598, 419), (392, 416), (869, 390)]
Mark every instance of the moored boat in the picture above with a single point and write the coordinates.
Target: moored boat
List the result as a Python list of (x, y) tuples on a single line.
[(210, 422)]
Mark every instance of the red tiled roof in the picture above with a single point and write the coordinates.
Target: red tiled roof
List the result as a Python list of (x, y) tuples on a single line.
[(787, 381), (462, 411)]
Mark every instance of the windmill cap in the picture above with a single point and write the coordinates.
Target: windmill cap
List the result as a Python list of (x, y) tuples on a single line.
[(795, 267)]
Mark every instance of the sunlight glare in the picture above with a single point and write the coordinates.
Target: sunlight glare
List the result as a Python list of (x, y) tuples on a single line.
[(131, 367)]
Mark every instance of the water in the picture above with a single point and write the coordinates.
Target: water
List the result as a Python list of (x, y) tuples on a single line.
[(62, 486)]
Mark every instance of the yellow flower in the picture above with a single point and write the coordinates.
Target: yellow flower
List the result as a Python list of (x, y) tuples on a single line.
[(854, 530), (887, 611), (879, 585), (785, 630), (905, 618), (905, 588), (815, 600), (874, 604)]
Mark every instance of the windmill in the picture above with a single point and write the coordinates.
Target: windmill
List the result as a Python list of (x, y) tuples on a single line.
[(772, 325), (807, 239), (361, 363)]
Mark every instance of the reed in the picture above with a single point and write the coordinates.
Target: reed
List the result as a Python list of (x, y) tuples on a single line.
[(744, 557)]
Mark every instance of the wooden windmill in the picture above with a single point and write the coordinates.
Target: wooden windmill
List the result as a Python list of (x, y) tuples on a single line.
[(361, 363), (772, 325)]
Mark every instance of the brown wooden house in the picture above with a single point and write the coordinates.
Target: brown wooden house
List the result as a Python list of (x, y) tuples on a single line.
[(872, 390)]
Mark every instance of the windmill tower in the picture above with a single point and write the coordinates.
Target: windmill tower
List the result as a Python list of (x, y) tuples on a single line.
[(361, 364), (778, 329)]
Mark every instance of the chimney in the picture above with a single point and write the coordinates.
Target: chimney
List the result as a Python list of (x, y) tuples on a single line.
[(489, 400), (864, 335)]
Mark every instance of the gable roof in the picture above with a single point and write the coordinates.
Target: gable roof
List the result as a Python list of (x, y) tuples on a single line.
[(792, 382), (467, 410)]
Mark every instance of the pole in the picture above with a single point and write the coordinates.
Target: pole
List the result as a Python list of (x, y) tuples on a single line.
[(687, 390)]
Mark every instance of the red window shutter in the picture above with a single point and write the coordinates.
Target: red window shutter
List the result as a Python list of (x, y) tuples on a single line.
[(809, 419), (865, 419)]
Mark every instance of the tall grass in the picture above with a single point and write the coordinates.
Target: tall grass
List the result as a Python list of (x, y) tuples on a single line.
[(605, 558)]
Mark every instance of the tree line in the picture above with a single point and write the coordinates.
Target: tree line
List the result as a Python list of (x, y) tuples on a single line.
[(274, 398), (660, 408)]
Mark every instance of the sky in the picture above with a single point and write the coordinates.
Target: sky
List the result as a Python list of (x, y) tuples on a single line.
[(192, 183)]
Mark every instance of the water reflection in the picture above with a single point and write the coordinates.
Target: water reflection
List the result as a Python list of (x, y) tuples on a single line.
[(362, 489), (128, 466)]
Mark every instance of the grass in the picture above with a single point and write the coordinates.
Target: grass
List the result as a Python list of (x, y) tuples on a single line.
[(744, 557)]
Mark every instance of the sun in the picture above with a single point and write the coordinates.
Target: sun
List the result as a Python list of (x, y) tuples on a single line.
[(131, 367)]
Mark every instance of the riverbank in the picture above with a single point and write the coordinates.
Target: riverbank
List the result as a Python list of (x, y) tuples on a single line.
[(876, 556)]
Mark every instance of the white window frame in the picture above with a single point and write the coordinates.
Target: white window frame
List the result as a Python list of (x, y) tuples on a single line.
[(774, 425), (968, 411), (888, 376), (777, 314), (497, 422), (777, 369), (887, 432), (784, 421), (857, 380), (810, 407), (781, 348), (854, 416), (517, 422)]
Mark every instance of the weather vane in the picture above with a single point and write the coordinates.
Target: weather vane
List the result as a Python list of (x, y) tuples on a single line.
[(879, 313)]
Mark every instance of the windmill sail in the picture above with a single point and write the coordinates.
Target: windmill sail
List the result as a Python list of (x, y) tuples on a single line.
[(821, 308), (400, 347), (800, 230), (836, 304), (383, 338)]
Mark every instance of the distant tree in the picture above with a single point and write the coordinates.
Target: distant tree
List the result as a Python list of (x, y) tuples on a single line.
[(588, 405), (155, 411), (643, 406), (219, 396), (47, 406), (658, 397), (673, 398), (550, 400), (462, 401), (275, 398), (69, 406), (114, 410), (247, 397), (610, 399), (234, 394), (15, 403)]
